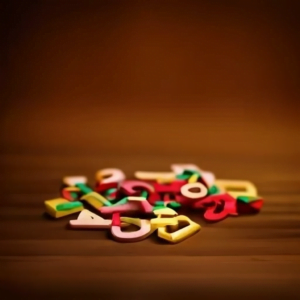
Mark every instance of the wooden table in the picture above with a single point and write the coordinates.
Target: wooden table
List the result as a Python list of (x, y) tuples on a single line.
[(253, 256), (138, 86)]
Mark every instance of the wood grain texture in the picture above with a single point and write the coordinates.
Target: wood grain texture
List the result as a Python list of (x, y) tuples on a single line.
[(140, 85), (250, 256), (153, 277)]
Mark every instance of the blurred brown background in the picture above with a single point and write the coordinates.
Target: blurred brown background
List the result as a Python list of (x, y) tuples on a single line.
[(140, 85)]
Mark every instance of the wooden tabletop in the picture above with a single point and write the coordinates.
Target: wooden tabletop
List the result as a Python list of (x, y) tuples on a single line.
[(98, 84), (249, 256)]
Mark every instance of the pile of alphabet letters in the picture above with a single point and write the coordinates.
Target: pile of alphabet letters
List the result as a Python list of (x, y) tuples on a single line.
[(152, 202)]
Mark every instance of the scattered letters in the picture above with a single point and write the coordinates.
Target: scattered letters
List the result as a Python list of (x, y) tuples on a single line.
[(152, 202)]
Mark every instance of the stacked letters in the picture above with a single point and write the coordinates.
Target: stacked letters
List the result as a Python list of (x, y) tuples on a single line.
[(152, 202)]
